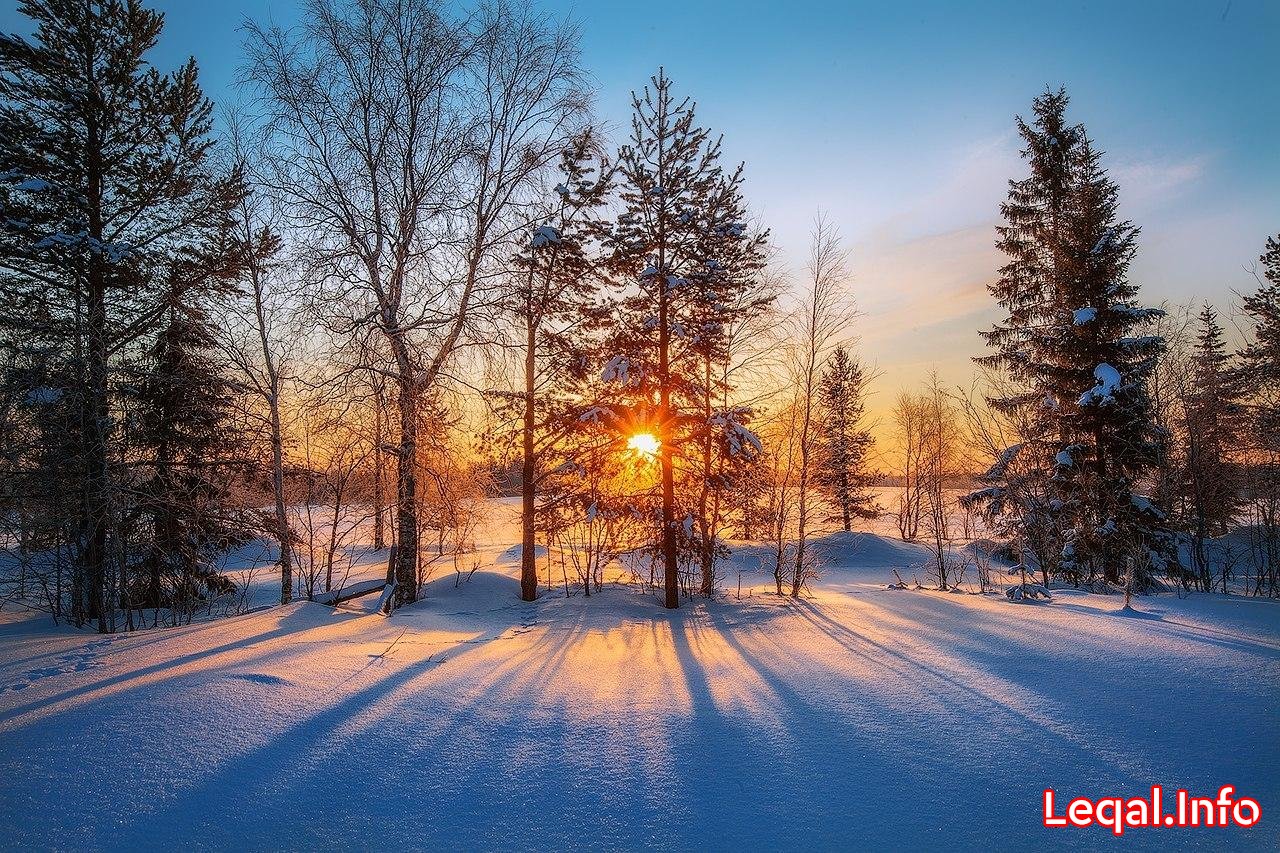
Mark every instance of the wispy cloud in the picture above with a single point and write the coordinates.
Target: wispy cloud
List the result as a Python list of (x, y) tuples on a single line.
[(1147, 182)]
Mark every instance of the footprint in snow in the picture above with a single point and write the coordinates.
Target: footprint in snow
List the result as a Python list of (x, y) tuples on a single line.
[(259, 678), (67, 664)]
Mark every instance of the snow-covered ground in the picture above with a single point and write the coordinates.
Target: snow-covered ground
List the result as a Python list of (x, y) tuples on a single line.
[(860, 717)]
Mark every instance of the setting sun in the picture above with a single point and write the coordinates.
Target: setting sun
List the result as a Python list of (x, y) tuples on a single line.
[(644, 443)]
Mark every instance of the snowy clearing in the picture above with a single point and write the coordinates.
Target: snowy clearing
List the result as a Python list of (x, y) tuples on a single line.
[(859, 717)]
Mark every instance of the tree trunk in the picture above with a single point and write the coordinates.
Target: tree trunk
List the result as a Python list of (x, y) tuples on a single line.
[(706, 553), (528, 471), (283, 531), (406, 591), (379, 511), (96, 404), (846, 498), (1110, 571), (802, 496), (670, 567)]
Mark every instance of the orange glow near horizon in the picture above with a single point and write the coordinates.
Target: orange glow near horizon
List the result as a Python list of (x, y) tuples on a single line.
[(644, 443)]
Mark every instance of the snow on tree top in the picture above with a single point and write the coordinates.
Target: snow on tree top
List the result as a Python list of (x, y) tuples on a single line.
[(44, 395), (114, 252), (1136, 312), (741, 441), (998, 470), (1084, 315), (1108, 380), (1144, 505), (545, 235), (617, 370), (1103, 241)]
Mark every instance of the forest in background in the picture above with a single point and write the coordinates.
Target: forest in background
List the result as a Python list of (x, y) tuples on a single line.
[(408, 268)]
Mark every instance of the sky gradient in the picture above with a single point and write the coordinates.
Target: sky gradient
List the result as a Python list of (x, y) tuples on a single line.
[(896, 119)]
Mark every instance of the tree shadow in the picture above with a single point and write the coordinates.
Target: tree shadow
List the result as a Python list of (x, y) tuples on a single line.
[(288, 623)]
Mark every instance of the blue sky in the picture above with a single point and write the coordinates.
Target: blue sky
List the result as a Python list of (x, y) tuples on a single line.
[(897, 120)]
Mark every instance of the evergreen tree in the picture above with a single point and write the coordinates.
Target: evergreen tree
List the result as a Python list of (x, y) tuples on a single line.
[(106, 174), (733, 294), (682, 249), (1259, 374), (1078, 367), (556, 305), (183, 407), (1259, 369), (1015, 499), (844, 442), (1108, 441), (1210, 485)]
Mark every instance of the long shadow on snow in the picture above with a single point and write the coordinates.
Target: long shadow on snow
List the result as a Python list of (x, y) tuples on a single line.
[(285, 626), (1182, 630), (1059, 735)]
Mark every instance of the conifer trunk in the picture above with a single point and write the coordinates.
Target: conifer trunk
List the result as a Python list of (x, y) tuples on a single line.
[(707, 551), (670, 568), (96, 402), (528, 471)]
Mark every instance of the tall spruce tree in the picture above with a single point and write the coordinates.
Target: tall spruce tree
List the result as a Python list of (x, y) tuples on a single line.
[(1015, 498), (1078, 367), (844, 441), (1259, 369), (183, 406), (682, 248), (1210, 485), (107, 175), (1260, 382)]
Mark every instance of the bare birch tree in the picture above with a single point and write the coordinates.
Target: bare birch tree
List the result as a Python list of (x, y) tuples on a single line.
[(404, 143), (822, 319), (939, 460)]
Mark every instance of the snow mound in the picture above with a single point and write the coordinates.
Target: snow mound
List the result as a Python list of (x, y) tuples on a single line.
[(515, 552), (867, 551)]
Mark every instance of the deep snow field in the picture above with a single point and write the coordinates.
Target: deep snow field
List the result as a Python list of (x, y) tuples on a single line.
[(860, 717)]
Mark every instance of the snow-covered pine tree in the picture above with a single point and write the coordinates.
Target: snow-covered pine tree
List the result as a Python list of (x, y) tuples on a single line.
[(681, 247), (733, 295), (844, 440), (1076, 366), (1108, 439), (555, 301), (1014, 498), (108, 176)]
